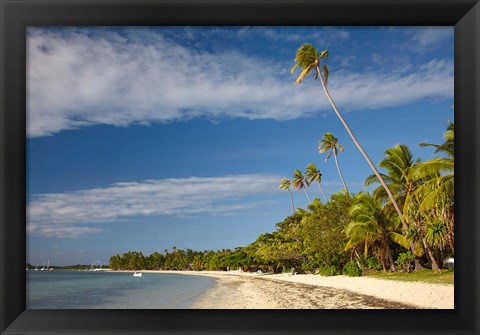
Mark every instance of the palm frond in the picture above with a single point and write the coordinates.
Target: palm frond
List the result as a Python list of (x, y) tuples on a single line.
[(325, 72), (294, 68), (434, 167), (284, 184), (306, 58), (406, 243), (303, 74), (373, 179)]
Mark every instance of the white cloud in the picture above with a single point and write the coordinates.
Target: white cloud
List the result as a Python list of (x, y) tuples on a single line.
[(428, 38), (70, 214), (75, 80)]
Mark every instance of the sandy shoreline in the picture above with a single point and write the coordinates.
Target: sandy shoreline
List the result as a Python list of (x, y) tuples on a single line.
[(234, 290)]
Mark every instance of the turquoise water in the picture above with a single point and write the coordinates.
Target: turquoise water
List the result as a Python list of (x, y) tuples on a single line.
[(62, 289)]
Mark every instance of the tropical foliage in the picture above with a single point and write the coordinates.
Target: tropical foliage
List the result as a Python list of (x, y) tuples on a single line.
[(406, 218)]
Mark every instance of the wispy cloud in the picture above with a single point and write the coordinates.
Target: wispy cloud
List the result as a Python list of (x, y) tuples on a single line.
[(71, 214), (77, 80), (326, 36), (427, 38)]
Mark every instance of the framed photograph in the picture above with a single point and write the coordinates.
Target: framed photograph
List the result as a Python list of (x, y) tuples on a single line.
[(239, 167)]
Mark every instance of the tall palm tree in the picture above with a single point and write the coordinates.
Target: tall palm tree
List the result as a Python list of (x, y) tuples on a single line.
[(400, 165), (372, 226), (313, 174), (441, 168), (285, 185), (308, 58), (299, 183), (436, 197), (400, 168), (330, 143)]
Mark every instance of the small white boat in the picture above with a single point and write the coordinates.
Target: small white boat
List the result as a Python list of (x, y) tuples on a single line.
[(137, 274)]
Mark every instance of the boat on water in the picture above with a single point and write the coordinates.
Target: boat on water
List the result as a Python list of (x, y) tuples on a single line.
[(138, 274)]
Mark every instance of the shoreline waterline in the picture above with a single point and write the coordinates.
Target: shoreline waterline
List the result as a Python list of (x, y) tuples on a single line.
[(242, 290)]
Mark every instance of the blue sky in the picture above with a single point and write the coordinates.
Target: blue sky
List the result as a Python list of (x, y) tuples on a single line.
[(149, 138)]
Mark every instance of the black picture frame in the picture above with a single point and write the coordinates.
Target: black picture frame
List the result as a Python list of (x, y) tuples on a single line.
[(16, 15)]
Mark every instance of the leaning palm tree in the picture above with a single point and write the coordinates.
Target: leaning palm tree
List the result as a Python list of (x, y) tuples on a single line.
[(308, 58), (330, 143), (313, 174), (299, 183), (285, 185)]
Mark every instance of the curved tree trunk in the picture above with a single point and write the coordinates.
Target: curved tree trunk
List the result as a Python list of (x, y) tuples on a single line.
[(383, 259), (321, 190), (432, 258), (291, 201), (305, 190), (393, 268), (372, 166), (339, 172), (418, 266)]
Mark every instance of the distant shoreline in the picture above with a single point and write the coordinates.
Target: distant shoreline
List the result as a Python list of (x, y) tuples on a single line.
[(242, 290)]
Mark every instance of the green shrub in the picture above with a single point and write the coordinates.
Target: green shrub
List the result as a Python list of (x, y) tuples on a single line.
[(328, 271), (404, 261), (373, 263), (351, 269)]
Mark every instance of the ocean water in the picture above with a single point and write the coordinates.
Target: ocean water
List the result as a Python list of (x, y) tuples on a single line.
[(64, 289)]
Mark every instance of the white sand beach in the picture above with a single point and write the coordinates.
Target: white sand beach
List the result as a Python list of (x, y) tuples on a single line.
[(240, 290)]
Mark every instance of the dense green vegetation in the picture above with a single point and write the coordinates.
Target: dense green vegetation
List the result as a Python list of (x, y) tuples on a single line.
[(405, 223)]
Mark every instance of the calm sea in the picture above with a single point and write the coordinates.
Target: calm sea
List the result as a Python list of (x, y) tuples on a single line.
[(90, 289)]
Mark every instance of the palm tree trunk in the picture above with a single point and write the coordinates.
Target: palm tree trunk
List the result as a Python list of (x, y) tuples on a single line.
[(305, 190), (383, 260), (393, 268), (450, 231), (390, 195), (339, 172), (291, 201), (418, 266), (321, 190), (433, 260)]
